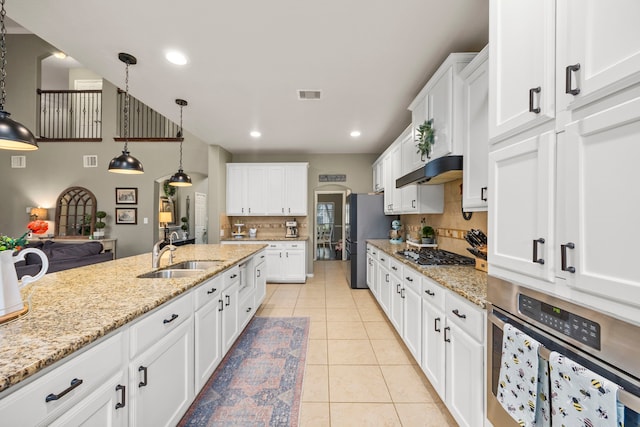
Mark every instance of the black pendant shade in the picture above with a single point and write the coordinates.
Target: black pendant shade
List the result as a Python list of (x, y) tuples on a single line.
[(180, 179), (14, 136), (126, 164)]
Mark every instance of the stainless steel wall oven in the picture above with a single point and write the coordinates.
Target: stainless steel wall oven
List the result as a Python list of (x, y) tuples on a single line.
[(601, 343)]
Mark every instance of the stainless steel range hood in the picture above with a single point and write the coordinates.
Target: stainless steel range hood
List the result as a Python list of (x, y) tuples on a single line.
[(437, 171)]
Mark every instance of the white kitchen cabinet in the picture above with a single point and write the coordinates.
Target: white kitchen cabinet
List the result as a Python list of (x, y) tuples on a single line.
[(596, 205), (598, 49), (411, 158), (521, 223), (396, 172), (371, 276), (260, 278), (207, 321), (246, 189), (378, 176), (396, 306), (522, 65), (275, 194), (236, 189), (389, 184), (230, 305), (412, 313), (161, 379), (384, 292), (476, 137), (433, 351), (257, 195), (295, 194), (286, 262)]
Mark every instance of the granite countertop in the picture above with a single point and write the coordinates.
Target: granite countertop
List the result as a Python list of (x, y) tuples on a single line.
[(73, 308), (465, 280), (265, 239)]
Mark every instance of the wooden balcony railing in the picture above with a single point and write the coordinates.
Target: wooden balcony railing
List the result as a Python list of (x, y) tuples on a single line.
[(69, 115)]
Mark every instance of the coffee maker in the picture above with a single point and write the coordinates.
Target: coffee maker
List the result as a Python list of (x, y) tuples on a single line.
[(292, 228)]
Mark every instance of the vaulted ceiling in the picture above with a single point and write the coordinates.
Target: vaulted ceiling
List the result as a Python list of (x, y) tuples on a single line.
[(247, 59)]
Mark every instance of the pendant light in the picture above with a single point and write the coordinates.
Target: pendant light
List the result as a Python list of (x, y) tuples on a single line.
[(13, 135), (180, 179), (126, 163)]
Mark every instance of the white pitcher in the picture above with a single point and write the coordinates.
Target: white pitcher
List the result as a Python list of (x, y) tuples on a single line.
[(10, 299)]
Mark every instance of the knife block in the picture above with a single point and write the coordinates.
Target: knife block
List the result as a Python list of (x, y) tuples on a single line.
[(482, 265)]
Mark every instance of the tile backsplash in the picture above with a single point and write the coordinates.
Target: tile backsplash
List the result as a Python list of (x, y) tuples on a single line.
[(450, 226), (267, 226)]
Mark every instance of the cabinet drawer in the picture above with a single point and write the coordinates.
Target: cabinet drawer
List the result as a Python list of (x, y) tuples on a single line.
[(28, 405), (383, 258), (246, 310), (208, 291), (160, 322), (433, 293), (296, 245), (230, 276), (412, 280), (465, 314), (395, 267)]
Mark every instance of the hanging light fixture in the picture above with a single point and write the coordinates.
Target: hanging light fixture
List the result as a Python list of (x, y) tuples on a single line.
[(180, 179), (126, 163), (13, 135)]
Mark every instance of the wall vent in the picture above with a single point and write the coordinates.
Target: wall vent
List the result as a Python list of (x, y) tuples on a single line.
[(308, 95), (90, 161), (18, 162)]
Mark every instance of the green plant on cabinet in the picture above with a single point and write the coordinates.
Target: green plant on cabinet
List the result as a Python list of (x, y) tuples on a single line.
[(425, 138)]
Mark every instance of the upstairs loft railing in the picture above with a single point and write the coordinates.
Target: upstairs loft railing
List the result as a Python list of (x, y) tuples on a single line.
[(145, 124), (69, 115)]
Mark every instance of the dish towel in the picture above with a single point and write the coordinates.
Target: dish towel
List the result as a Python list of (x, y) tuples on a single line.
[(580, 397), (523, 385)]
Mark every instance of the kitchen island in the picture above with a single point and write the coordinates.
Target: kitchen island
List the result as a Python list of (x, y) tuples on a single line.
[(72, 310)]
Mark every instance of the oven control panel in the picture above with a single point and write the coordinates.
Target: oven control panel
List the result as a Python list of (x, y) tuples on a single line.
[(580, 329)]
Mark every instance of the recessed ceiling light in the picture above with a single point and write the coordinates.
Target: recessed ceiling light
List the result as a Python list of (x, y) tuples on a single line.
[(60, 55), (255, 134), (176, 58), (355, 133)]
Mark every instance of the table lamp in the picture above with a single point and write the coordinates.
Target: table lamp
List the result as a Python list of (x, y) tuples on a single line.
[(165, 218)]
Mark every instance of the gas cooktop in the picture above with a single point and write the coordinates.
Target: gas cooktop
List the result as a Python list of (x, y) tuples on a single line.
[(428, 256)]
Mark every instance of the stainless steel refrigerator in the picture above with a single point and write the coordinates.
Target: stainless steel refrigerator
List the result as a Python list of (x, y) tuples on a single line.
[(365, 219)]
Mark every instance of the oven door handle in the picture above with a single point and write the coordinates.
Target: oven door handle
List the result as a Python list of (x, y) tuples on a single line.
[(629, 400)]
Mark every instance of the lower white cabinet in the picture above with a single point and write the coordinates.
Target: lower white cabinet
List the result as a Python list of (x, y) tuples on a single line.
[(433, 351), (260, 278), (286, 262), (396, 307), (229, 305), (207, 321), (412, 313)]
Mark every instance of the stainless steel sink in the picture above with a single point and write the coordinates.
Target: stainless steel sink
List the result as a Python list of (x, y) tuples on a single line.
[(196, 265), (170, 273)]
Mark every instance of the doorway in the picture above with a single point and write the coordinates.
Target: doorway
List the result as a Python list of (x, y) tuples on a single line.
[(329, 225)]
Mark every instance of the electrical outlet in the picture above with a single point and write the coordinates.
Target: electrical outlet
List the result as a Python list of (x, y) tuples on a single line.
[(145, 220)]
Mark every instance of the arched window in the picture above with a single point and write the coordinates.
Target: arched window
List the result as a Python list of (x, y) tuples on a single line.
[(75, 213)]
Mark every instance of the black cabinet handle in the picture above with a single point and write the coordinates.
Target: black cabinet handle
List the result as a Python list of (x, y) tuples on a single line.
[(261, 256), (123, 396), (398, 288), (446, 336), (382, 259), (228, 300), (436, 324), (483, 195), (535, 251), (409, 279), (386, 279), (210, 291), (457, 313), (394, 268), (52, 396), (531, 96), (413, 204), (402, 293), (248, 309), (258, 275), (430, 292), (568, 72), (143, 383), (173, 317), (563, 257), (233, 276), (221, 305)]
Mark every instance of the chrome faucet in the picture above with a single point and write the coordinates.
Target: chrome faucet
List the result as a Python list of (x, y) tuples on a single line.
[(157, 253)]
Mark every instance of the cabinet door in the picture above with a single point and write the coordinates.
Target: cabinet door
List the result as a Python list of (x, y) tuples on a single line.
[(294, 265), (465, 376), (440, 108), (412, 322), (396, 167), (370, 274), (396, 305), (522, 58), (106, 406), (476, 139), (236, 189), (384, 295), (208, 342), (418, 115), (274, 264), (390, 185), (409, 197), (295, 194), (602, 37), (433, 361), (161, 379), (260, 278), (275, 190), (598, 205), (411, 159), (521, 177), (229, 297), (378, 176), (256, 190)]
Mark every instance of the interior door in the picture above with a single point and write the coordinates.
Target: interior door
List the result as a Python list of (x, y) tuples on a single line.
[(201, 218)]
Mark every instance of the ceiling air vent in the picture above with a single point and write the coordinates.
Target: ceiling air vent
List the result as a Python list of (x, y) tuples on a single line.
[(90, 161), (308, 95), (18, 162)]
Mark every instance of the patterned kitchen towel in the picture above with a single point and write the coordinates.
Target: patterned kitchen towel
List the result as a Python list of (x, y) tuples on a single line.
[(580, 397), (523, 384)]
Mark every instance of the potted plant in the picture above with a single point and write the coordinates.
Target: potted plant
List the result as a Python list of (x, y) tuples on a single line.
[(428, 235), (185, 227), (425, 138), (100, 225)]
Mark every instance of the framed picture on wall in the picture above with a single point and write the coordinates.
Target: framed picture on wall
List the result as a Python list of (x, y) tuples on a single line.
[(126, 196), (126, 215)]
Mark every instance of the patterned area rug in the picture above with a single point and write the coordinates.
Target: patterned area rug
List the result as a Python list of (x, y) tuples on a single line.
[(259, 382)]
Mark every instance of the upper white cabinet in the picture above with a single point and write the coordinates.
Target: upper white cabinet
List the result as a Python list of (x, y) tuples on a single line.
[(378, 175), (522, 66), (598, 50), (441, 101), (267, 189), (476, 137), (411, 158)]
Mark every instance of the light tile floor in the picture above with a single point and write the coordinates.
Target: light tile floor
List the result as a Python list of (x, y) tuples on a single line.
[(358, 372)]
